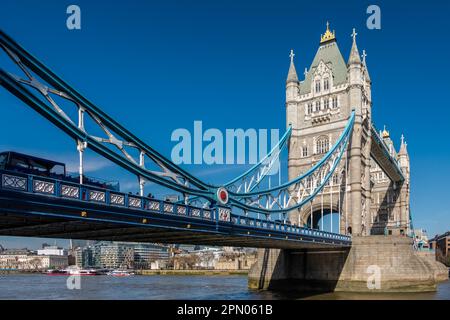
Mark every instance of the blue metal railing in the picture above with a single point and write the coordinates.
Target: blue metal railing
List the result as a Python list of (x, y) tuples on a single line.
[(20, 182)]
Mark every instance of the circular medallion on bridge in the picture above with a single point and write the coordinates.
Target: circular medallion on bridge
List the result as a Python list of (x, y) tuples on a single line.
[(222, 195)]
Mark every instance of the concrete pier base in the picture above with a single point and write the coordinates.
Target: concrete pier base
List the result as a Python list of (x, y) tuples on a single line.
[(388, 263)]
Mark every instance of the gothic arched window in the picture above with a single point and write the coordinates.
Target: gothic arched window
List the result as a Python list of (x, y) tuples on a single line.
[(304, 151), (335, 102), (309, 183), (317, 105), (322, 145), (335, 179), (326, 84), (317, 86)]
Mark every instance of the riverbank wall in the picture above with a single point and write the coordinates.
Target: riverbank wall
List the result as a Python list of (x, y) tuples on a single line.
[(191, 272)]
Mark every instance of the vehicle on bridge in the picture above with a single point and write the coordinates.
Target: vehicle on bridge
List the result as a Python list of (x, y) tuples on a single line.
[(24, 163)]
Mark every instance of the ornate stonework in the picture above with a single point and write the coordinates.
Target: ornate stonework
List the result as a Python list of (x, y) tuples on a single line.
[(318, 107)]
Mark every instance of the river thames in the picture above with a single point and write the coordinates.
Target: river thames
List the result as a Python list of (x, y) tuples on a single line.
[(170, 287)]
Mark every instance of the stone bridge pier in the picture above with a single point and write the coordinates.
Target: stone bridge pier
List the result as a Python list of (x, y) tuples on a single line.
[(372, 264), (370, 188)]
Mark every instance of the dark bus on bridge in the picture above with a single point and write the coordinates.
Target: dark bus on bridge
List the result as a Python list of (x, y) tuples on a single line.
[(19, 162)]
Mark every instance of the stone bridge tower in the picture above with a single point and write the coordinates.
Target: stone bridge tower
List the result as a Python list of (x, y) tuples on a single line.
[(369, 203), (318, 108)]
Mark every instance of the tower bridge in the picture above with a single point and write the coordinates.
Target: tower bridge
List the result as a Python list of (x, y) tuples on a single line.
[(339, 164), (317, 108)]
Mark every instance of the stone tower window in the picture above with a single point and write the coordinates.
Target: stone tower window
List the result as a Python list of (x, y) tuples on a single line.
[(326, 84), (335, 179), (304, 151), (322, 145), (309, 183), (318, 105), (335, 102), (326, 104), (317, 86), (310, 108)]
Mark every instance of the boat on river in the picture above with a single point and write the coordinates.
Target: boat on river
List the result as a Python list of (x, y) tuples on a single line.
[(120, 273)]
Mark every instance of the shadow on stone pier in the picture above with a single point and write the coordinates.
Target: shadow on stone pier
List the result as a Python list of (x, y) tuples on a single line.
[(372, 264)]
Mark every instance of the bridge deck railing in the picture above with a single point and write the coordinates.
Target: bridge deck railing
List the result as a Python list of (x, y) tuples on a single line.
[(49, 187)]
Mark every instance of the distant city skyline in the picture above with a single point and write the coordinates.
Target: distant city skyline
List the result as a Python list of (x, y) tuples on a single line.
[(157, 67)]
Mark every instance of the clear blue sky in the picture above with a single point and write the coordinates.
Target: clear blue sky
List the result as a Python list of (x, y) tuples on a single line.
[(158, 66)]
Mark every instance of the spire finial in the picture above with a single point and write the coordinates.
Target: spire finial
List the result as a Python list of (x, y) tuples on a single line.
[(385, 133), (364, 55), (354, 34), (354, 54), (305, 72), (403, 146), (292, 74), (328, 35)]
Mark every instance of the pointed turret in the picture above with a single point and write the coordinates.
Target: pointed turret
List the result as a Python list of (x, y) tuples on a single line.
[(292, 74), (403, 147), (385, 134), (403, 157), (355, 78), (364, 63), (292, 94), (354, 53), (292, 84), (388, 141)]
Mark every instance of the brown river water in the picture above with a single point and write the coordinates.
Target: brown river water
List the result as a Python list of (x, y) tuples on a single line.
[(165, 287)]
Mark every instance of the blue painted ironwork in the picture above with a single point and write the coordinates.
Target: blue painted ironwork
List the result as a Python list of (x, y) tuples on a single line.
[(242, 192), (170, 175), (140, 210), (252, 178), (297, 192)]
